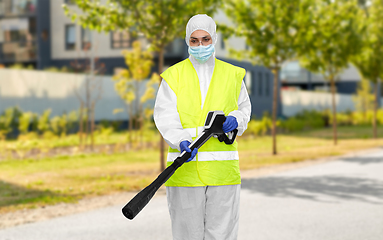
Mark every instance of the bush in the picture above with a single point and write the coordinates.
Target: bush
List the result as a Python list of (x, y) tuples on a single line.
[(293, 124), (6, 123), (43, 121), (24, 122), (305, 120), (259, 127)]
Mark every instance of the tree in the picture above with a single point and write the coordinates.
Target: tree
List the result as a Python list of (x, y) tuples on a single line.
[(364, 99), (331, 38), (92, 93), (369, 61), (271, 30), (128, 83), (159, 21)]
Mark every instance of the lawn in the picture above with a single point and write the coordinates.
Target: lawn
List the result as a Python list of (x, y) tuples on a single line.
[(37, 182)]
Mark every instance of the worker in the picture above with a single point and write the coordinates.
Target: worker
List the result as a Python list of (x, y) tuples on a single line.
[(203, 194)]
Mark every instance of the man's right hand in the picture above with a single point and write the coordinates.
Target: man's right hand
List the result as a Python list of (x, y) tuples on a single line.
[(184, 146)]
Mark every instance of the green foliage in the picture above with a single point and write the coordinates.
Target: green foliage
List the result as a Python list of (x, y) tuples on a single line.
[(24, 122), (344, 119), (6, 120), (259, 127), (17, 66), (128, 84), (369, 60), (15, 112), (329, 42), (160, 22), (43, 122), (55, 125), (272, 32), (358, 118), (293, 124), (73, 118), (63, 124), (270, 29), (303, 121), (364, 99), (313, 119), (127, 81)]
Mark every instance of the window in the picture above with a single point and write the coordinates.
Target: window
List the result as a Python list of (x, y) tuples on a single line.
[(86, 39), (260, 83), (121, 39), (70, 37), (248, 82)]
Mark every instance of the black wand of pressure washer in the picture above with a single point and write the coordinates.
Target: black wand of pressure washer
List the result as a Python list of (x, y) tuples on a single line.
[(212, 127)]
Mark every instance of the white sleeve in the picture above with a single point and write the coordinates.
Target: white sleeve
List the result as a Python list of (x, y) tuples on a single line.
[(167, 119), (243, 113)]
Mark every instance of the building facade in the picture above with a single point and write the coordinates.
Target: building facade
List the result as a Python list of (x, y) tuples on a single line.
[(293, 75), (18, 32)]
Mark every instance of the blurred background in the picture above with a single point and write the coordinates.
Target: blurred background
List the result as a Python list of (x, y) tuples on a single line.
[(78, 81)]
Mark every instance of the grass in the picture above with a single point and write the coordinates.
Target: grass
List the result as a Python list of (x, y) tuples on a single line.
[(31, 183)]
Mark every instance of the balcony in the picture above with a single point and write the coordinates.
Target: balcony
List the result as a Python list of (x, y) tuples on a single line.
[(11, 8), (16, 52)]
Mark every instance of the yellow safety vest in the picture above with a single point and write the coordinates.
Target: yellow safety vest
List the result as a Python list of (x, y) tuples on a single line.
[(216, 163)]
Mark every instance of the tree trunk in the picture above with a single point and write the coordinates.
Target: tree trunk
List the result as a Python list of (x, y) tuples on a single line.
[(87, 108), (91, 104), (334, 122), (162, 141), (81, 125), (92, 126), (375, 111), (275, 106), (140, 123), (130, 111)]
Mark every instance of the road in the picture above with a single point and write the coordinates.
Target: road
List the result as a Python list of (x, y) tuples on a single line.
[(334, 200)]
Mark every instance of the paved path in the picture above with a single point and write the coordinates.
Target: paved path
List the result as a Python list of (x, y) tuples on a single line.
[(336, 200)]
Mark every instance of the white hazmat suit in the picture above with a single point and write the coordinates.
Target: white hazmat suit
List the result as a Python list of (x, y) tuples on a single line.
[(209, 212)]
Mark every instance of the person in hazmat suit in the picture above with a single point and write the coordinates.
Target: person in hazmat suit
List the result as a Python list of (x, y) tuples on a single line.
[(203, 194)]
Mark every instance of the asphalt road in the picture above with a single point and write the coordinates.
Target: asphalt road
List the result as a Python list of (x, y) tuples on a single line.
[(336, 200)]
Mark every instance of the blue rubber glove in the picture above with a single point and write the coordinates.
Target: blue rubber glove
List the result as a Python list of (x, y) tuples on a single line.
[(184, 146), (230, 124)]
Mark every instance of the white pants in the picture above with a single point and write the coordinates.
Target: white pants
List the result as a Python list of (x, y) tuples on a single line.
[(204, 213)]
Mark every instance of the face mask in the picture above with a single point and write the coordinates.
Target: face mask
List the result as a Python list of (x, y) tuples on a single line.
[(201, 53)]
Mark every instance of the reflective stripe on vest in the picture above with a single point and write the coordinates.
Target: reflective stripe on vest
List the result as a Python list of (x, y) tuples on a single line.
[(209, 156), (216, 163)]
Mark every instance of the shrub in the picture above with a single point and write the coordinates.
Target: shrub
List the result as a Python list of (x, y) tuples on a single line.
[(307, 119), (43, 121), (293, 124), (24, 122), (6, 123)]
